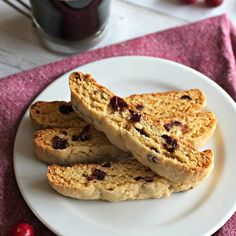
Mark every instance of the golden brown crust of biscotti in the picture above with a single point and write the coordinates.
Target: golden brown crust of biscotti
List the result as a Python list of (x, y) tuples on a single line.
[(161, 105), (196, 128), (168, 104), (111, 181), (149, 143), (54, 114), (72, 145)]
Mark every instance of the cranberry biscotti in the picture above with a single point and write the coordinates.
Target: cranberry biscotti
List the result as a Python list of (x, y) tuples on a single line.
[(111, 181), (130, 130), (66, 146)]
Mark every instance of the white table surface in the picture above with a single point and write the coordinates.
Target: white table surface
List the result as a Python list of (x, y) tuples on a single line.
[(21, 48)]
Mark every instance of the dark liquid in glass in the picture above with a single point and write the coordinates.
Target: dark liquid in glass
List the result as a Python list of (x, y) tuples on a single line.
[(71, 20)]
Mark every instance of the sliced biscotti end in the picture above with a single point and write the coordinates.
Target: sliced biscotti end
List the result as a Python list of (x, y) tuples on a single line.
[(96, 103), (195, 128), (202, 127), (169, 157), (84, 90), (54, 114), (167, 104), (74, 145), (111, 181)]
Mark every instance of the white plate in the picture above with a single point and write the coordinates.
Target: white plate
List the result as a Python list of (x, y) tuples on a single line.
[(200, 211)]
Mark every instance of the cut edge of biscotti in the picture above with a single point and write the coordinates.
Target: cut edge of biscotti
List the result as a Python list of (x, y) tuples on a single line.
[(196, 128), (150, 144), (112, 181), (168, 104), (54, 114), (66, 146)]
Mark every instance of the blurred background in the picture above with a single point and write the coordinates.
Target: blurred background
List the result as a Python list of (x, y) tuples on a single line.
[(21, 48)]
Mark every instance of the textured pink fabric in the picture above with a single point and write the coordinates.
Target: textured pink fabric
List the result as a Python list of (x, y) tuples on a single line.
[(208, 46)]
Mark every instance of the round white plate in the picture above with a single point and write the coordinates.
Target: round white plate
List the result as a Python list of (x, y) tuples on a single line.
[(200, 211)]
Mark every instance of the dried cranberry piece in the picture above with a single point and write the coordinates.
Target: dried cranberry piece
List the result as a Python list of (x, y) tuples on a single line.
[(152, 158), (138, 178), (168, 126), (139, 107), (75, 137), (186, 97), (142, 132), (84, 135), (146, 178), (118, 104), (170, 144), (106, 164), (97, 175), (59, 143), (65, 109), (189, 1), (213, 3), (135, 116)]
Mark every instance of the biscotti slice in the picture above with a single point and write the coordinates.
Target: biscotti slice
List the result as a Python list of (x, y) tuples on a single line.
[(130, 130), (54, 114), (111, 181), (86, 144), (166, 104), (195, 128), (72, 145)]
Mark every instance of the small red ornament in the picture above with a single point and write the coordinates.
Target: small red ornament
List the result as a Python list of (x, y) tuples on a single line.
[(213, 3), (22, 229), (189, 1)]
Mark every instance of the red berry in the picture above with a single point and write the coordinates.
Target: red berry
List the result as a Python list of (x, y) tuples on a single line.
[(22, 229), (189, 1), (213, 3)]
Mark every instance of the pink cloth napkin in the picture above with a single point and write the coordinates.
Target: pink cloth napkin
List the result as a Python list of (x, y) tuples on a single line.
[(208, 46)]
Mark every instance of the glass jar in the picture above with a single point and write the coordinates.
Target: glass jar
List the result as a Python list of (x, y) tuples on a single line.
[(71, 26)]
